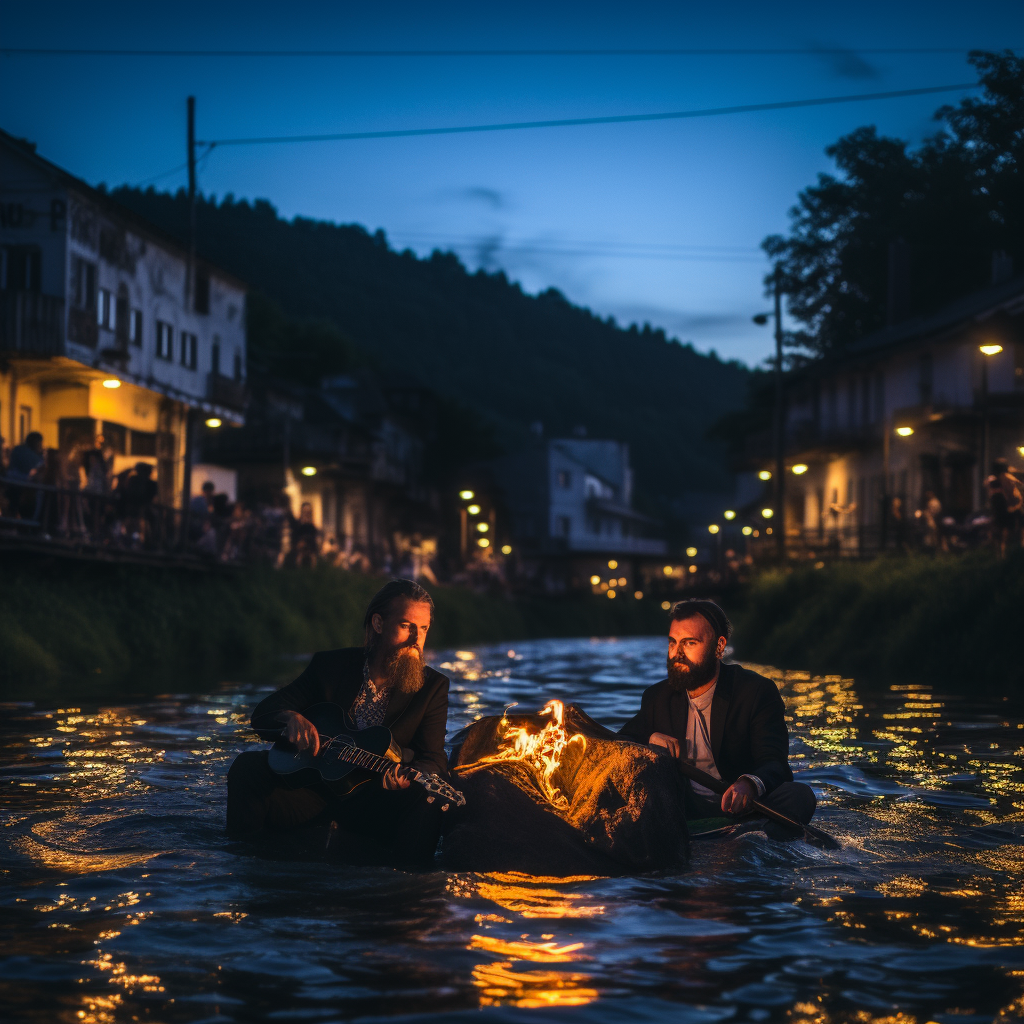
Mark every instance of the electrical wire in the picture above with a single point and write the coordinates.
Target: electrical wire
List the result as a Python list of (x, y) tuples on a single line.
[(576, 121)]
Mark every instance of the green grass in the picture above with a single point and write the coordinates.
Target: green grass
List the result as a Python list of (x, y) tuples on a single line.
[(954, 620), (122, 627)]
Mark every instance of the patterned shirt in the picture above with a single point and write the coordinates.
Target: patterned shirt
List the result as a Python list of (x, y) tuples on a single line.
[(371, 704)]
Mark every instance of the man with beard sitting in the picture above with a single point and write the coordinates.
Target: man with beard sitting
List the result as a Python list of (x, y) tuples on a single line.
[(728, 721), (382, 683)]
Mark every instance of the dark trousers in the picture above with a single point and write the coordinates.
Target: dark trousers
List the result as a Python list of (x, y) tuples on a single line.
[(796, 800), (375, 825)]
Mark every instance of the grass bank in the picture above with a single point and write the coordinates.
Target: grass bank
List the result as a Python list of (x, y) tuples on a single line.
[(956, 620), (138, 628)]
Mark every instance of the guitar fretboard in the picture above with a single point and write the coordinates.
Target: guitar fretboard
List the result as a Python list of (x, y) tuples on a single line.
[(342, 751)]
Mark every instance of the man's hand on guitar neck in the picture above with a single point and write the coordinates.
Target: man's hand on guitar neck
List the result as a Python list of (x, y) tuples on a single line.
[(397, 777), (300, 732)]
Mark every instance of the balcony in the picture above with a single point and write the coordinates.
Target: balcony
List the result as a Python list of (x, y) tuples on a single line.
[(227, 392), (31, 323)]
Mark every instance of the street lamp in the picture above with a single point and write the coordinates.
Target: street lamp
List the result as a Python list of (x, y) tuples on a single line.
[(309, 470), (466, 495), (213, 422), (800, 468), (765, 474), (904, 431), (713, 528), (987, 351), (691, 552), (729, 514)]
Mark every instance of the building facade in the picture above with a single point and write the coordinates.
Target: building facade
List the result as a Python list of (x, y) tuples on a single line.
[(110, 332)]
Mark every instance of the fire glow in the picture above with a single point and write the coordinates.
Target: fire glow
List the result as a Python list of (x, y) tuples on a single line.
[(542, 750)]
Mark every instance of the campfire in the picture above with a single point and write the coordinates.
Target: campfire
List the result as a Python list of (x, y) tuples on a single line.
[(541, 750)]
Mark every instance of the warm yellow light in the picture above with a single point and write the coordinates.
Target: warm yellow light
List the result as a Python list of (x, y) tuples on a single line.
[(667, 570), (713, 528), (473, 510), (767, 513), (213, 422), (506, 549), (309, 470), (691, 552), (482, 527), (800, 468), (638, 594), (904, 431), (693, 568), (729, 514), (611, 593), (612, 564), (483, 542), (595, 580), (764, 475), (1020, 448), (111, 382), (757, 533), (990, 350), (768, 532), (665, 605), (466, 495), (622, 581), (747, 531)]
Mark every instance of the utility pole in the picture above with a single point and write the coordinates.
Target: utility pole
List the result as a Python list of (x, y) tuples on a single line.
[(780, 461)]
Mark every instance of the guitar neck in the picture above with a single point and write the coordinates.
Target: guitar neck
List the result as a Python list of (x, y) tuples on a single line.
[(360, 757)]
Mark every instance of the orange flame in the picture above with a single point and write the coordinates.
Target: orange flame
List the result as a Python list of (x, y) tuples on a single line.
[(543, 750)]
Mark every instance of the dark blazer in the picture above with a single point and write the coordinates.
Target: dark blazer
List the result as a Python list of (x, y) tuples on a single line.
[(417, 720), (748, 724)]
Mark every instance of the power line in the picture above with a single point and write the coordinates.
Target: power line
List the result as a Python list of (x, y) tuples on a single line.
[(813, 51), (575, 121)]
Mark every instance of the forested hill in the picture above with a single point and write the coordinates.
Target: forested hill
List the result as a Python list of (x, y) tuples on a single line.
[(514, 358)]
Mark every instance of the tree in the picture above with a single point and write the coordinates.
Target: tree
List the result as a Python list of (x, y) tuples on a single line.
[(949, 205)]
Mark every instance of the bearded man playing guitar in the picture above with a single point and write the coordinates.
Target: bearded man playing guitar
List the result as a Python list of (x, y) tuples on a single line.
[(383, 818)]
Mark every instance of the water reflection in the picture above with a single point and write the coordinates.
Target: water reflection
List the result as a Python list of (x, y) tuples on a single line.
[(124, 901)]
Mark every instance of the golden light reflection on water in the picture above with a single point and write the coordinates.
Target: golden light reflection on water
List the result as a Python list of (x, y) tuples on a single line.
[(534, 896), (501, 984)]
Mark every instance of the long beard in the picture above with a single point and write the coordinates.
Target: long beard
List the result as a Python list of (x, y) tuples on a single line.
[(403, 669), (688, 675)]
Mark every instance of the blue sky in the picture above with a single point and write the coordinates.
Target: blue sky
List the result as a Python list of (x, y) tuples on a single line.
[(656, 221)]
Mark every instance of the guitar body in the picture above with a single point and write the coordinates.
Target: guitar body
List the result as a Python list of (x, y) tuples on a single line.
[(329, 720)]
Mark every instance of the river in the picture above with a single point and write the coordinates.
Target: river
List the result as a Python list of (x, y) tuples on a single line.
[(124, 901)]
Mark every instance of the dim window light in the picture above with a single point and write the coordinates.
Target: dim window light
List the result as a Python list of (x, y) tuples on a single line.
[(904, 431), (800, 468), (990, 350), (473, 510), (111, 383), (213, 422), (309, 470), (506, 549), (466, 495), (691, 552), (764, 475), (729, 514)]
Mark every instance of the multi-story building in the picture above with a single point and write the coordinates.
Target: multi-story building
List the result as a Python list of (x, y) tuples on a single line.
[(107, 326), (915, 411)]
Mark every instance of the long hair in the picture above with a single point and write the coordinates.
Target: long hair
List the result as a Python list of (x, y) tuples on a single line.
[(383, 599)]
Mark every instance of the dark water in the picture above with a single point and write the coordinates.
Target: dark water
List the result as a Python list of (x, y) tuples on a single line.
[(122, 900)]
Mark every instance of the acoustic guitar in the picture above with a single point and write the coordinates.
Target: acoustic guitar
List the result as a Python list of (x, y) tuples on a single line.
[(343, 749)]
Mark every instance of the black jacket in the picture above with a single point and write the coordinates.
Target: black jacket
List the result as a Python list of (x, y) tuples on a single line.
[(748, 724), (417, 720)]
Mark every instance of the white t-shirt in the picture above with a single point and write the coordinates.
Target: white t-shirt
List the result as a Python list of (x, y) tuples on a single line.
[(698, 738)]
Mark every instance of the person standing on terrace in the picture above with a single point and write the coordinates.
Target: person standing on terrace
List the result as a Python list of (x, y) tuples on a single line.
[(724, 719)]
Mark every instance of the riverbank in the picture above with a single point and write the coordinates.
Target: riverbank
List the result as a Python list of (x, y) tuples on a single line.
[(139, 628), (949, 620)]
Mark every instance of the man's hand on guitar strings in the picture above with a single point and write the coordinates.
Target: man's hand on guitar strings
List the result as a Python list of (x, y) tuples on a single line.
[(397, 777), (301, 732)]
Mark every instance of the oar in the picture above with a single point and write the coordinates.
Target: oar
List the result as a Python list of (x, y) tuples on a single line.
[(812, 835)]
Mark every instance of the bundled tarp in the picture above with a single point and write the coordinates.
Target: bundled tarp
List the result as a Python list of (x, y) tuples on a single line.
[(610, 807)]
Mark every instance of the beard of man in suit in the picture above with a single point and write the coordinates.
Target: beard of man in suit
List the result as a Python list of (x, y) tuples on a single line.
[(687, 675), (401, 665)]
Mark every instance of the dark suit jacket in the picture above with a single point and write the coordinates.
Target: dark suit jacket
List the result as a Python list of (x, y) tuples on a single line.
[(748, 724), (416, 720)]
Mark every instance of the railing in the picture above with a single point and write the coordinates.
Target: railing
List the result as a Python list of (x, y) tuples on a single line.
[(31, 323)]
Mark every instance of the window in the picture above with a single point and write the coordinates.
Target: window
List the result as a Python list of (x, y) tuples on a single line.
[(202, 300), (84, 281), (189, 350), (135, 327), (105, 315), (164, 341), (21, 268), (564, 478), (143, 443)]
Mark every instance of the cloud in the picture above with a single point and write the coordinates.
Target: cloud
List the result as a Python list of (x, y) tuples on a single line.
[(845, 63), (480, 194)]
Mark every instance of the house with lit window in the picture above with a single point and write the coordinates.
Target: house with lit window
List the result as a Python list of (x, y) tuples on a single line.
[(108, 327), (912, 413)]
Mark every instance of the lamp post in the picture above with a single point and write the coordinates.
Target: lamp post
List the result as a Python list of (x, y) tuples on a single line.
[(986, 351)]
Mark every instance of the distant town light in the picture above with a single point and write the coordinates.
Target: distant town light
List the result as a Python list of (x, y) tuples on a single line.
[(214, 422), (667, 570), (638, 594), (309, 470), (729, 514), (483, 542), (612, 564), (482, 527), (665, 605), (473, 510), (611, 593), (800, 468), (713, 528), (757, 533), (111, 382), (904, 431), (747, 531), (466, 495), (764, 475), (990, 350), (506, 549), (767, 513), (693, 568), (1020, 448), (768, 532), (623, 581), (595, 580), (691, 552)]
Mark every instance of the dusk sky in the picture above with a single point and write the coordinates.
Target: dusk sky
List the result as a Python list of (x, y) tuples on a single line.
[(653, 221)]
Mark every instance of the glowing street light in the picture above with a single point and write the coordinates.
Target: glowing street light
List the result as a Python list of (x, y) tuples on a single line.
[(483, 542), (713, 528), (800, 468), (466, 495), (729, 514), (904, 431), (506, 549), (111, 383), (691, 552), (667, 570), (473, 510), (765, 474), (747, 531), (638, 594), (612, 564), (213, 422), (309, 470), (990, 350), (1020, 448), (482, 527), (767, 513), (595, 581), (611, 593), (665, 605)]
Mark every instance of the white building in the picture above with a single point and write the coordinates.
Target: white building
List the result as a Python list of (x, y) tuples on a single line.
[(103, 329)]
